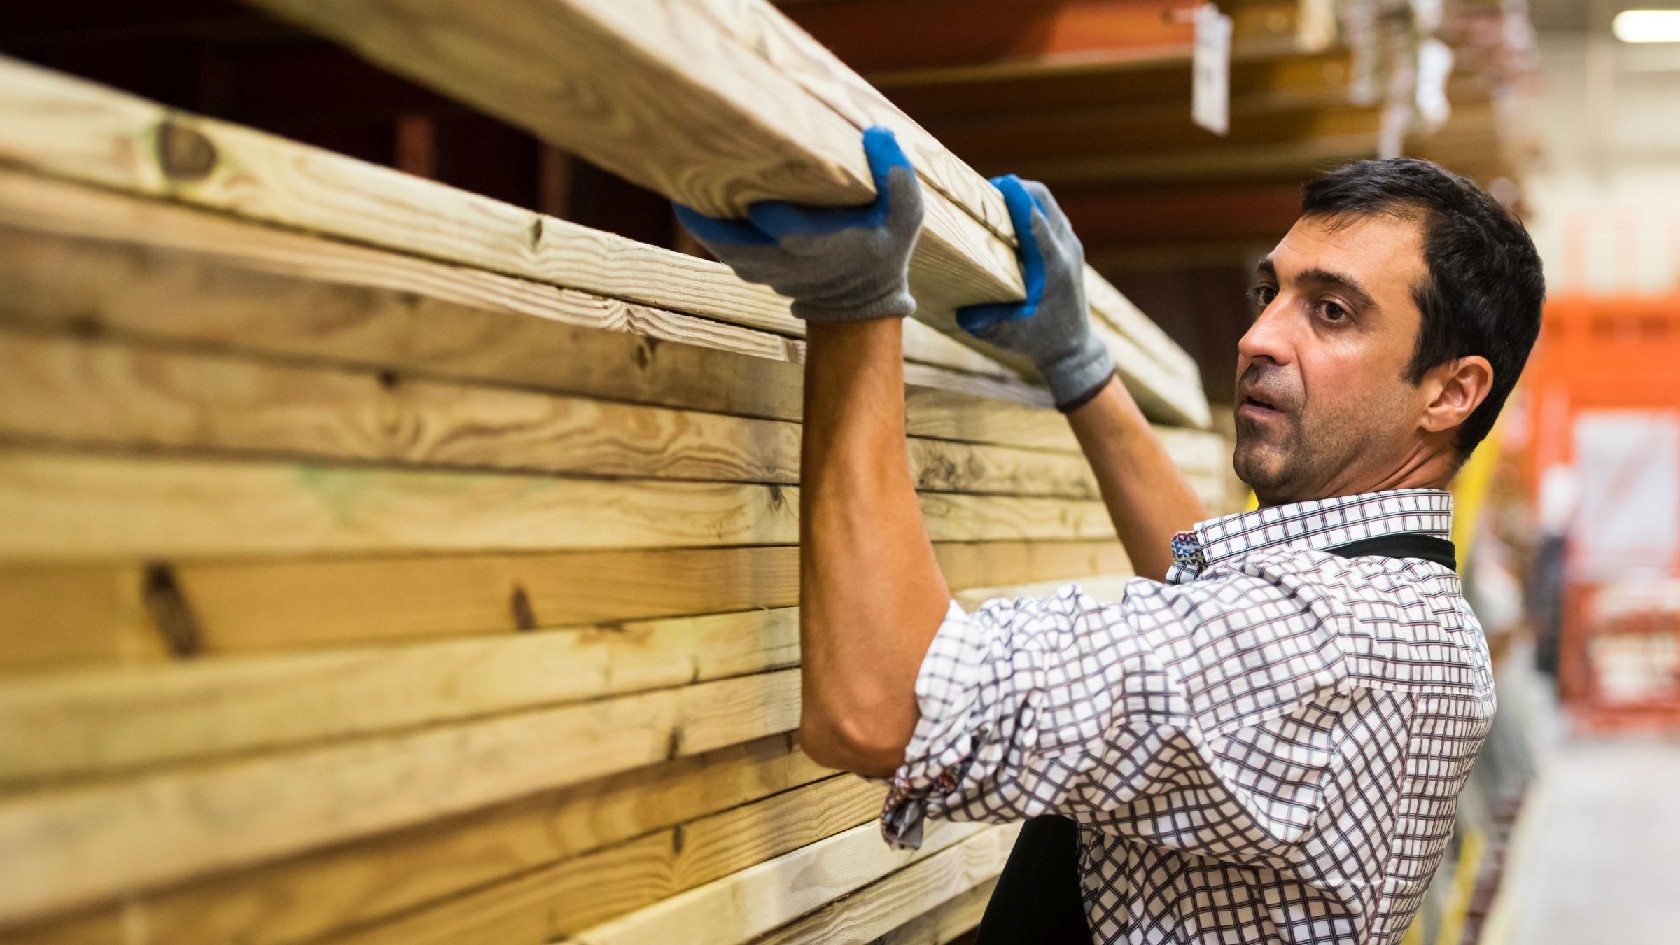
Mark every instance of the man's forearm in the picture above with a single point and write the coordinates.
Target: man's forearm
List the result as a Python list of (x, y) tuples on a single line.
[(871, 593), (1147, 497)]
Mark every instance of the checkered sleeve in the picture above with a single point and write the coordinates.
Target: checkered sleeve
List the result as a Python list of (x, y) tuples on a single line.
[(1215, 694)]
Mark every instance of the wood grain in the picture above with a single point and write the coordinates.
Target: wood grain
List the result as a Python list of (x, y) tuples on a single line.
[(761, 898), (285, 294), (82, 507), (83, 131), (653, 91), (61, 617), (717, 103), (342, 887), (53, 618), (66, 726), (78, 846), (929, 901), (946, 923), (1162, 375), (73, 392), (80, 130)]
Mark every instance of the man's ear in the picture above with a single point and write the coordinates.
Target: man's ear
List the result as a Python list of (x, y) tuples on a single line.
[(1458, 387)]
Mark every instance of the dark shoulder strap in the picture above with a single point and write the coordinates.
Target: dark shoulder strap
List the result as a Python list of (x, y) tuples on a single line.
[(1402, 545), (1038, 900)]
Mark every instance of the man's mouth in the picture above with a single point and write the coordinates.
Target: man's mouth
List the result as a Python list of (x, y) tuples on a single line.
[(1257, 407)]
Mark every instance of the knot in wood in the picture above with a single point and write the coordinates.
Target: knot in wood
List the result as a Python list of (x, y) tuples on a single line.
[(184, 153)]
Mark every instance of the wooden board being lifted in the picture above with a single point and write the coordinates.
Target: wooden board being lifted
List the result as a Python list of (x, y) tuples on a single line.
[(716, 105)]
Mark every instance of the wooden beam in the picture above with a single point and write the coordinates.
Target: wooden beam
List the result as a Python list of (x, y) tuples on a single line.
[(42, 214), (79, 846), (57, 616), (305, 898), (60, 508), (926, 903), (776, 118), (277, 293), (70, 392), (79, 130), (65, 727), (759, 899), (944, 924), (1154, 368)]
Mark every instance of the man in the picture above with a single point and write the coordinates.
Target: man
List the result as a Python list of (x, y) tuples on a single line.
[(1263, 741)]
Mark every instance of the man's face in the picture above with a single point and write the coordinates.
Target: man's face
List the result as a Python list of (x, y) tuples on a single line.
[(1323, 407)]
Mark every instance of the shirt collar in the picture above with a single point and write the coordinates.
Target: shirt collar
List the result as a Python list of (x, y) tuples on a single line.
[(1316, 524)]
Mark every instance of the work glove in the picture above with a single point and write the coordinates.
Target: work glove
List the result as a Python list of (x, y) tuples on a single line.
[(837, 264), (1052, 325)]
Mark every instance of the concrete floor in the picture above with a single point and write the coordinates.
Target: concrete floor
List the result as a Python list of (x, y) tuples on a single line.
[(1604, 862)]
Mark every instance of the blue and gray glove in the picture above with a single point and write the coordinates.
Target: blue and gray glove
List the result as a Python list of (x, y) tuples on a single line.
[(1052, 325), (837, 264)]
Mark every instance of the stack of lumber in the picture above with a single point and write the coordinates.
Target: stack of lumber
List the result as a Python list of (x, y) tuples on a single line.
[(383, 563)]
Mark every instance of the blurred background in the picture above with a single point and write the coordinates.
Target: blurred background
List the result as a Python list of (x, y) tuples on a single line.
[(1566, 110)]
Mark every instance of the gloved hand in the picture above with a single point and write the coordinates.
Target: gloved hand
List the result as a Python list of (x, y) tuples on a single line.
[(1052, 325), (837, 264)]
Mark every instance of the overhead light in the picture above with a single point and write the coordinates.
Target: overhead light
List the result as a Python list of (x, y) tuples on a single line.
[(1647, 26)]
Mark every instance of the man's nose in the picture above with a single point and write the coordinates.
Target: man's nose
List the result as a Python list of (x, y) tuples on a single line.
[(1270, 337)]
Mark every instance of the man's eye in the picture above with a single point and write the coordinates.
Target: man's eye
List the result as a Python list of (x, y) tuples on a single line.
[(1261, 296), (1332, 311)]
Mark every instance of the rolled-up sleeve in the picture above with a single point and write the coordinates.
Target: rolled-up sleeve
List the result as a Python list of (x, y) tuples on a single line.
[(1067, 704)]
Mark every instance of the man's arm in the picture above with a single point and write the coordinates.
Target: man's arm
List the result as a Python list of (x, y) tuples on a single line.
[(1147, 497), (871, 595)]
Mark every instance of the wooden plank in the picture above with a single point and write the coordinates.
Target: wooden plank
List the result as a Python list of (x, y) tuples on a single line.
[(297, 297), (84, 507), (55, 617), (490, 237), (72, 726), (88, 615), (257, 606), (947, 923), (304, 898), (80, 130), (79, 846), (656, 93), (919, 903), (761, 898), (755, 131), (74, 392), (286, 294), (540, 905), (1160, 374)]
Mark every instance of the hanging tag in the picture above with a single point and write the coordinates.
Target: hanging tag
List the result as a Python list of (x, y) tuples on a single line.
[(1210, 90)]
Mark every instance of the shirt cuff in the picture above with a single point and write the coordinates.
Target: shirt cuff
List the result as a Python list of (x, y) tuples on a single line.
[(943, 744)]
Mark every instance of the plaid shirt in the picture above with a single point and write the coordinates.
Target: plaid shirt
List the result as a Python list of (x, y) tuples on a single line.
[(1266, 748)]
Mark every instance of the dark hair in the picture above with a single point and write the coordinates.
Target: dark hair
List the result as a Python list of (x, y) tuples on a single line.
[(1484, 287)]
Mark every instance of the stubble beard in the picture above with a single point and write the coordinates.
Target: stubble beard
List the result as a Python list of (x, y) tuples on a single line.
[(1294, 460)]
